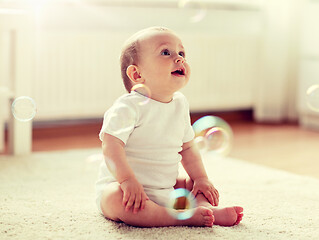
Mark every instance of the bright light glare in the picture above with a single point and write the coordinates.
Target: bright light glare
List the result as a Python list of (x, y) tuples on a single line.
[(36, 4), (11, 11)]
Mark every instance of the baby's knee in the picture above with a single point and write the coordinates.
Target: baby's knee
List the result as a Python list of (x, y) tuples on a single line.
[(111, 202)]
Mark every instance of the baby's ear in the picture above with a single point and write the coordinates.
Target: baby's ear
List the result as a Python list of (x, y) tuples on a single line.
[(132, 72)]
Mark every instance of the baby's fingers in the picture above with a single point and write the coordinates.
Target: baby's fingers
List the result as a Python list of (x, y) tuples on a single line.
[(144, 198), (216, 197), (137, 203), (210, 198), (126, 196), (130, 203)]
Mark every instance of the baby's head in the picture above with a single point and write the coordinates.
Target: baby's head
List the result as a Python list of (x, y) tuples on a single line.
[(155, 57)]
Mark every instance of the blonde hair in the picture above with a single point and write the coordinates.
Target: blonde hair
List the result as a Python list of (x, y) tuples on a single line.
[(130, 53)]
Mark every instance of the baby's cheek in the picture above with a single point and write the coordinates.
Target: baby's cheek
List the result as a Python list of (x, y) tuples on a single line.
[(188, 69)]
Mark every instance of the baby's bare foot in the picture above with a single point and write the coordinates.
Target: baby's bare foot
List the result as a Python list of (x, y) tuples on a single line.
[(203, 217), (228, 216)]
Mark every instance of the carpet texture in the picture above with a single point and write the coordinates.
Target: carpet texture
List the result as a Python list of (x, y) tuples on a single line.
[(50, 195)]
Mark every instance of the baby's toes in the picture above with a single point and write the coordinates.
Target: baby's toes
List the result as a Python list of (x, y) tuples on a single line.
[(239, 218), (209, 221), (207, 212)]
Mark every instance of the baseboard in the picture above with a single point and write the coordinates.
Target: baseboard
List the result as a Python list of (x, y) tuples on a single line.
[(58, 128)]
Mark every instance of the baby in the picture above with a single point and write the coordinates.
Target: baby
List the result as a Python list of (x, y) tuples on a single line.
[(145, 137)]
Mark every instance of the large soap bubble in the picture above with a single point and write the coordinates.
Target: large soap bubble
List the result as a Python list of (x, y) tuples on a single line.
[(213, 134), (181, 204), (313, 97), (24, 108)]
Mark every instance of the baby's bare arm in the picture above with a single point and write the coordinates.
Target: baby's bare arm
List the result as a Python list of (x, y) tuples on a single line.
[(193, 165), (114, 155), (115, 158), (192, 161)]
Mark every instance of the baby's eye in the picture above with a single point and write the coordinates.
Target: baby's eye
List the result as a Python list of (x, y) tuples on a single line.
[(182, 54), (165, 52)]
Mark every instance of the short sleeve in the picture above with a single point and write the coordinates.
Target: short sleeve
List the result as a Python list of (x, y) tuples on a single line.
[(189, 132), (119, 121)]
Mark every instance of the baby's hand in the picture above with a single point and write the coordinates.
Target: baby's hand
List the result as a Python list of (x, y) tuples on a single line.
[(133, 195), (203, 185)]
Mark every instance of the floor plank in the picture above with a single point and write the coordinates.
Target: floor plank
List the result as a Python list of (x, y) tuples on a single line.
[(284, 146)]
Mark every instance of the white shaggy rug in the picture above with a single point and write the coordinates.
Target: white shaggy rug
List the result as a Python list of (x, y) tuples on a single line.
[(50, 195)]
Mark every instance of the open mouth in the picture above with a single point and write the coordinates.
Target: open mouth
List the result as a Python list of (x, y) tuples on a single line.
[(179, 72)]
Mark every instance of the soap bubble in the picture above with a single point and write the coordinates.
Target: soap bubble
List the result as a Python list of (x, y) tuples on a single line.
[(217, 139), (313, 97), (95, 160), (181, 204), (200, 142), (198, 9), (144, 90), (92, 162), (24, 108), (213, 134)]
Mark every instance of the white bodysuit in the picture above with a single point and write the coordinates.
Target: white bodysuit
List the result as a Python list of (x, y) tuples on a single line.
[(153, 133)]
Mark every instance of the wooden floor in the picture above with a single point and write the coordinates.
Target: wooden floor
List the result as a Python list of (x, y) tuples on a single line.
[(284, 146)]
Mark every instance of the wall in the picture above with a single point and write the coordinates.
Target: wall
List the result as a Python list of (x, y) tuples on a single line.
[(77, 48)]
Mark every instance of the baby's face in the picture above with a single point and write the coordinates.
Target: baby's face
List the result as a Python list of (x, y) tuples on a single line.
[(162, 63)]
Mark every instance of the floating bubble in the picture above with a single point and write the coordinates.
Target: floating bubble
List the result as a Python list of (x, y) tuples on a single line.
[(95, 158), (181, 204), (313, 97), (92, 162), (200, 142), (213, 134), (144, 90), (217, 139), (24, 108), (198, 9)]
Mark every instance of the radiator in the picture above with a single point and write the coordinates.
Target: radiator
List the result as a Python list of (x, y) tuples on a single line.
[(224, 71), (78, 74)]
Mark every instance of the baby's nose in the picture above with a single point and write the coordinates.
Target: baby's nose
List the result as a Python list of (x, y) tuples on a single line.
[(179, 59)]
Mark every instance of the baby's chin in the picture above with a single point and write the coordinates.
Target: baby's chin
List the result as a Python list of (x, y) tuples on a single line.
[(178, 87), (180, 81)]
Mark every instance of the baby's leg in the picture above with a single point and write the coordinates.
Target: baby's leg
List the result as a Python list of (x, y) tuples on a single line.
[(228, 216), (153, 214)]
